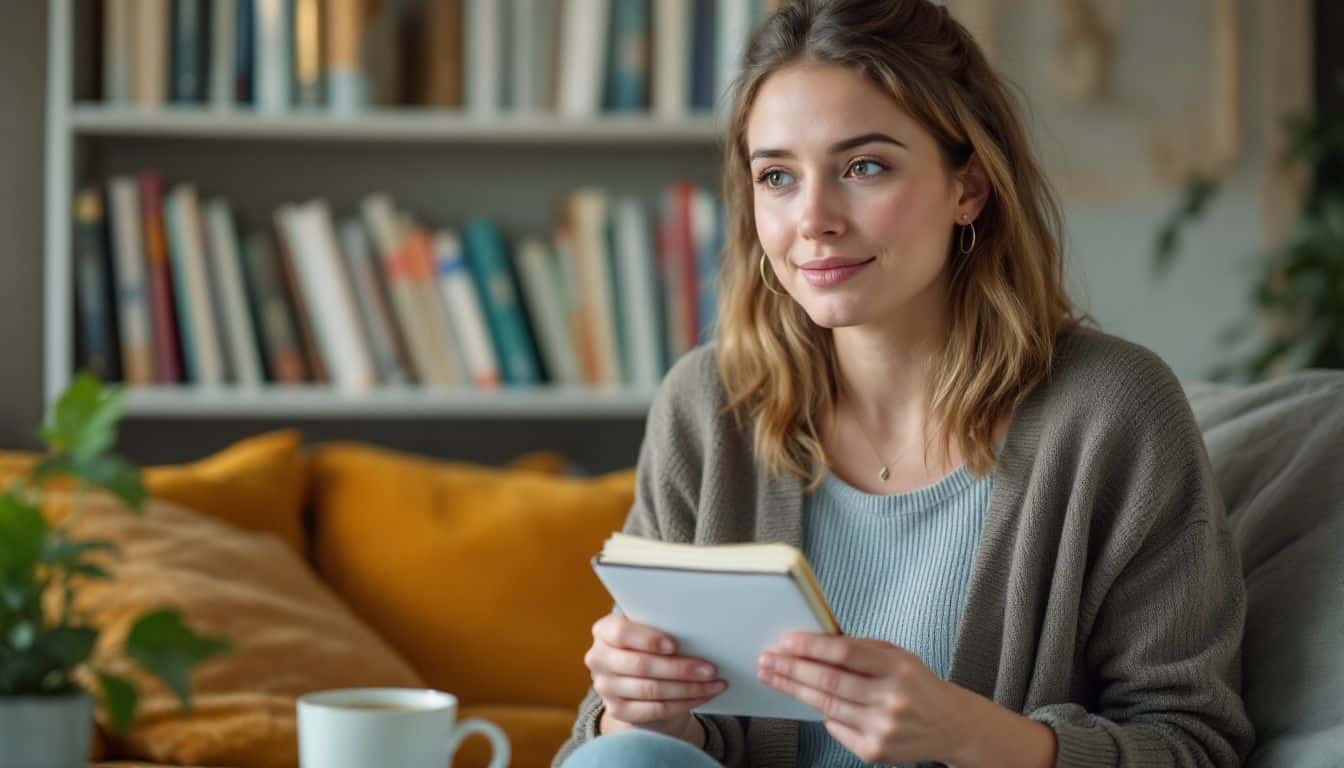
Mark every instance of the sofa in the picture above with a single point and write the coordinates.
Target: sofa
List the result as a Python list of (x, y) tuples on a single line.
[(345, 564)]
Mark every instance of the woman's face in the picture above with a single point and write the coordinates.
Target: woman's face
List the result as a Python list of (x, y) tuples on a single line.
[(854, 205)]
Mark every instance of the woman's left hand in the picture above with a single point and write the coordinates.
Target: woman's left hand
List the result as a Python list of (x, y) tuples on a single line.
[(880, 701)]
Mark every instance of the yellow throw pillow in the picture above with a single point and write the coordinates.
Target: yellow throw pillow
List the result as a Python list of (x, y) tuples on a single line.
[(257, 484), (480, 577), (290, 635)]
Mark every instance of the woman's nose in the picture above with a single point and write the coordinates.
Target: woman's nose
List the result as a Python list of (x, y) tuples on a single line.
[(820, 217)]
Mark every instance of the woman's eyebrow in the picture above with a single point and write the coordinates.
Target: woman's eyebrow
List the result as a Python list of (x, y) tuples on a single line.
[(839, 146)]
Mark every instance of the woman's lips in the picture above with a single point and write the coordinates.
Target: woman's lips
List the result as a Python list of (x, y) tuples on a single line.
[(828, 275)]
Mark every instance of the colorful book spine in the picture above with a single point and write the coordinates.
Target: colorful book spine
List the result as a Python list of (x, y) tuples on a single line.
[(379, 217), (628, 56), (286, 240), (272, 313), (244, 51), (226, 260), (132, 296), (671, 60), (272, 43), (167, 342), (195, 309), (587, 214), (487, 256), (99, 353), (464, 311), (638, 294), (544, 293), (306, 46), (704, 68), (222, 52), (118, 50), (708, 233), (347, 85), (150, 62), (446, 357), (373, 310), (584, 31), (484, 49), (190, 51)]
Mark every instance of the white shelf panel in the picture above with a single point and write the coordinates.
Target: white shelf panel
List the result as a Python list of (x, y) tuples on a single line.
[(324, 402), (428, 125)]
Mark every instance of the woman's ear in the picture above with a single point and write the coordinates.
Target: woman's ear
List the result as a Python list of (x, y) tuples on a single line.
[(974, 185)]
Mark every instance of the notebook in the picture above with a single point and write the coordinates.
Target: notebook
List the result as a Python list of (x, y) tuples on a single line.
[(723, 603)]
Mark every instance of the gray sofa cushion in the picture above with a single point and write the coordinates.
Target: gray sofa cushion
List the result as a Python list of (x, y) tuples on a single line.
[(1277, 449)]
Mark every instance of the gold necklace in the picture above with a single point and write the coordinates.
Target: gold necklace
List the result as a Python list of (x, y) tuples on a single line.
[(884, 474)]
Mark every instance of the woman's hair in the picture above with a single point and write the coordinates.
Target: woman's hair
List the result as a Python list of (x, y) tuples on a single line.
[(1007, 299)]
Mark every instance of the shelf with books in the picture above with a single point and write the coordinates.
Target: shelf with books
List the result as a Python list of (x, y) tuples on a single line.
[(409, 124), (388, 402), (574, 172)]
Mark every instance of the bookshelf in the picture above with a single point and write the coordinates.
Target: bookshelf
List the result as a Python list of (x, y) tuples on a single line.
[(444, 164)]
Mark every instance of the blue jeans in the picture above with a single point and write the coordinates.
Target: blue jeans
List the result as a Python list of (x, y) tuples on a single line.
[(639, 749)]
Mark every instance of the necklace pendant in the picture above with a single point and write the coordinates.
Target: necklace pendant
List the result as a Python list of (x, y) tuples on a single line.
[(884, 474)]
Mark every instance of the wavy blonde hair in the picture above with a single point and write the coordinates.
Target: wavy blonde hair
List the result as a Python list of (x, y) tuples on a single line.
[(1007, 300)]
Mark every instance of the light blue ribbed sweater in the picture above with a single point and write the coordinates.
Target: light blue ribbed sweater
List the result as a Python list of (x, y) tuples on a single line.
[(894, 568)]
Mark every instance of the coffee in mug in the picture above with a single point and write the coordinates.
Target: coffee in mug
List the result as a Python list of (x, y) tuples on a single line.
[(405, 727)]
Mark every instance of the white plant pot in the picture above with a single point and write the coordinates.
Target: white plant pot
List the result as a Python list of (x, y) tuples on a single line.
[(45, 731)]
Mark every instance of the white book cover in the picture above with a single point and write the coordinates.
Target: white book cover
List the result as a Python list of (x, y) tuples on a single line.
[(221, 53), (373, 311), (483, 73), (226, 259), (271, 53), (725, 618), (326, 291), (638, 297), (671, 58), (150, 62), (592, 268), (544, 292), (733, 26), (189, 255), (465, 311), (118, 51), (133, 320), (584, 32), (531, 47)]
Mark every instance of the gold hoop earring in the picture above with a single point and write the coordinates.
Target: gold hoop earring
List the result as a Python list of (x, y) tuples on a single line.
[(961, 244), (766, 282)]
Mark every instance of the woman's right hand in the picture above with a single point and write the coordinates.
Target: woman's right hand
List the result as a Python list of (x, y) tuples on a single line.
[(642, 681)]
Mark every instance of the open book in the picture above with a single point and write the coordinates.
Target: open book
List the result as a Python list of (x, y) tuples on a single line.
[(723, 603)]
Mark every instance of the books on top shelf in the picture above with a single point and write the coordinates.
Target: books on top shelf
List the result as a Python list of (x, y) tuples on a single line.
[(724, 603), (581, 58), (174, 289)]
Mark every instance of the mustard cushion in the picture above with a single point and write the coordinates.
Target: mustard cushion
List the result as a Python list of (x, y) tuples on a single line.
[(479, 576), (291, 635), (257, 483)]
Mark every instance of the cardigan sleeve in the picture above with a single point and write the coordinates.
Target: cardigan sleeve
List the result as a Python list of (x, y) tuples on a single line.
[(1165, 652), (666, 496)]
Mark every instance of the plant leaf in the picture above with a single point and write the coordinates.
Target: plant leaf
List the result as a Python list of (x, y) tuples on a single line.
[(59, 550), (120, 700), (22, 531), (168, 649), (68, 646), (84, 422)]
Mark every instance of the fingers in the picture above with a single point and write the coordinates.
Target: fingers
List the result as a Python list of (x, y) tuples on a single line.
[(619, 632), (823, 677), (647, 689), (617, 661)]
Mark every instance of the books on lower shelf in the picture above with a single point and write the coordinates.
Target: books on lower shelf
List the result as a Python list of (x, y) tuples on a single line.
[(172, 288), (724, 603), (580, 58)]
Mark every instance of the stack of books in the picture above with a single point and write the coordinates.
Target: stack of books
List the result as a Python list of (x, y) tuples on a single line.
[(579, 58), (169, 290)]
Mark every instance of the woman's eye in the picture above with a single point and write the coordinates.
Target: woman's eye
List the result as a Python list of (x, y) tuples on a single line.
[(774, 179), (864, 168)]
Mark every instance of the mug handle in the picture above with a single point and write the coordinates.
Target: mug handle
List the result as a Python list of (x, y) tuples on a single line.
[(499, 743)]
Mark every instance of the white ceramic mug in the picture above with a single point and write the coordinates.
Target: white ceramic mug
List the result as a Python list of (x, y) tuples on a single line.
[(405, 727)]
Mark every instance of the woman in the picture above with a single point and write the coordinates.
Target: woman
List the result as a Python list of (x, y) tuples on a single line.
[(1012, 515)]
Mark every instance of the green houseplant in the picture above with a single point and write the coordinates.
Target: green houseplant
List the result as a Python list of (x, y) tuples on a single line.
[(1298, 290), (45, 644)]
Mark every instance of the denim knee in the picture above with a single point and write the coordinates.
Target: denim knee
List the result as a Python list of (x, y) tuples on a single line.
[(639, 749)]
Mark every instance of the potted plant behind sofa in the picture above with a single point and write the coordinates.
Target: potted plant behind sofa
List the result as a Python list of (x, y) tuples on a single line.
[(1299, 290), (46, 647)]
